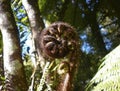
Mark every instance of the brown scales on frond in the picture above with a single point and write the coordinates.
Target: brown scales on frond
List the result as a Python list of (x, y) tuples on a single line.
[(57, 40)]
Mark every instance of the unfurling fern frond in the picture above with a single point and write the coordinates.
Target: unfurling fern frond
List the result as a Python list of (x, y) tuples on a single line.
[(58, 40)]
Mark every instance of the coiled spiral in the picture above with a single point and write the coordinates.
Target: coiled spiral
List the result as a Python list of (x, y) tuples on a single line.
[(58, 40)]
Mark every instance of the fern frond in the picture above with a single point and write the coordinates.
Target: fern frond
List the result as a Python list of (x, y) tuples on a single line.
[(108, 76)]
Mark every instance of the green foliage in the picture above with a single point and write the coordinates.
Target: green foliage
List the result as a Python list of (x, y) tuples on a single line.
[(20, 15), (108, 76), (48, 9), (28, 70)]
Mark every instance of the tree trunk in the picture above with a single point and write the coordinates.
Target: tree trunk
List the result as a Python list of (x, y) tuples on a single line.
[(97, 37), (36, 21), (13, 67), (34, 15)]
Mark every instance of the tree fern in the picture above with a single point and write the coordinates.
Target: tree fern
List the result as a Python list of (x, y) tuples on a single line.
[(108, 76)]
